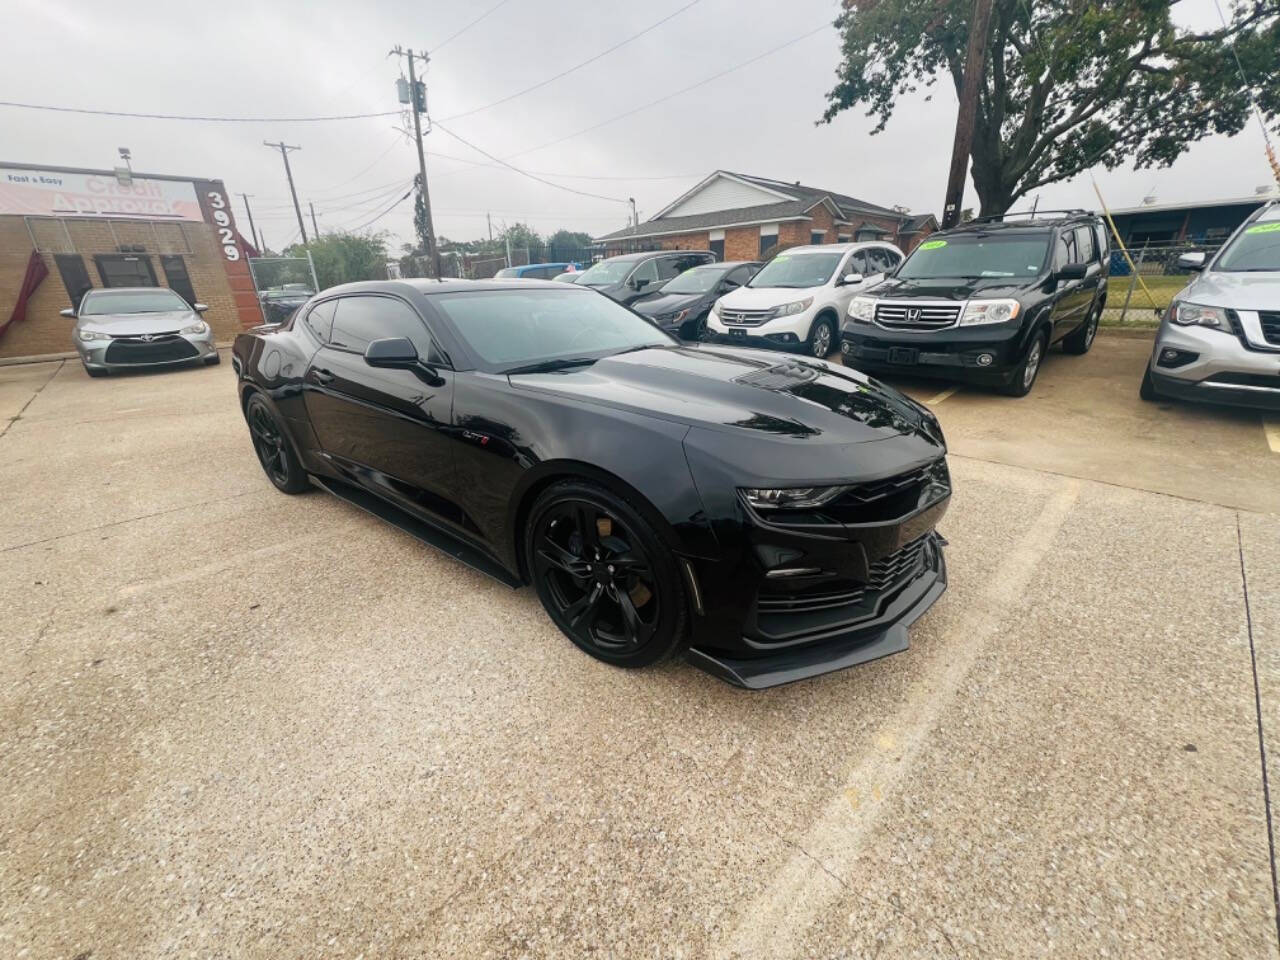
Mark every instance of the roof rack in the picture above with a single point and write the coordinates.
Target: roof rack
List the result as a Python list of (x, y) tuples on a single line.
[(1000, 217)]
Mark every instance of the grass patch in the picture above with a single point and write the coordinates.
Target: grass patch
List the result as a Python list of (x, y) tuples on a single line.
[(1141, 313)]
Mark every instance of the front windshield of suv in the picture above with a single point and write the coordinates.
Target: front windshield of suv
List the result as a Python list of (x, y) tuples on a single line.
[(1256, 249), (518, 327), (977, 256), (159, 300), (697, 280), (797, 270), (607, 272)]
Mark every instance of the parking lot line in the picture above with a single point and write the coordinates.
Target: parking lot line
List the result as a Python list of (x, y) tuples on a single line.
[(934, 401), (1272, 429)]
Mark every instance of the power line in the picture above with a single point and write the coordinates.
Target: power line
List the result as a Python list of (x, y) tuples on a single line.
[(174, 116), (387, 187), (576, 67), (526, 173), (408, 193), (458, 33)]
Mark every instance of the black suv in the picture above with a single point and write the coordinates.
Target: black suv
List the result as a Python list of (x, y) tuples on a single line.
[(629, 277), (984, 302)]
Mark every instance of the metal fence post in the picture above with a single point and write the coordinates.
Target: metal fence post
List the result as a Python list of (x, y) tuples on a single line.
[(1133, 282)]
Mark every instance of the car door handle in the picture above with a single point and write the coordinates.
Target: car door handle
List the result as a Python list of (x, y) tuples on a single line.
[(322, 376)]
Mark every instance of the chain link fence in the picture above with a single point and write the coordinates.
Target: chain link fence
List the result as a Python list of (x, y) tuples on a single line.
[(1140, 297)]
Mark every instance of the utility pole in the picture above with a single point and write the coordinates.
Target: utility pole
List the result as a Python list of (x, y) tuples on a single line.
[(635, 221), (253, 232), (417, 102), (284, 149), (315, 226), (489, 217), (974, 64)]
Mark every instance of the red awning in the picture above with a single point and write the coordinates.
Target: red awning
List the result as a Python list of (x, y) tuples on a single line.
[(36, 272)]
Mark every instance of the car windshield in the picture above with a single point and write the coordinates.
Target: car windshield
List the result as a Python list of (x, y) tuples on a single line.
[(697, 280), (518, 327), (976, 256), (141, 301), (607, 272), (797, 270), (1255, 250), (286, 294)]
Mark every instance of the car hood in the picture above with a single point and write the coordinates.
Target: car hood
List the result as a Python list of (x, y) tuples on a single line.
[(762, 298), (744, 392), (1239, 291), (130, 324), (950, 288), (666, 303)]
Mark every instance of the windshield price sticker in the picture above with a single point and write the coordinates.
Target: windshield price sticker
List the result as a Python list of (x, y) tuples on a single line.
[(1264, 228), (933, 244)]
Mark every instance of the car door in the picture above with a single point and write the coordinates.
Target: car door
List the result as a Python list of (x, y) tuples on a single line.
[(1069, 296), (642, 281), (1086, 247), (855, 262), (387, 429)]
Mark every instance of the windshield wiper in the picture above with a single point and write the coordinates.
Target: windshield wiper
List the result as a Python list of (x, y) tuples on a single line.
[(550, 366)]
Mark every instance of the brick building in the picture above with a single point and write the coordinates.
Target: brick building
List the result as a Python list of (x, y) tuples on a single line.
[(104, 228), (741, 217)]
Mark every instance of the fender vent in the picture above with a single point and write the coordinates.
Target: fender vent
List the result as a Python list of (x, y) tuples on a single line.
[(781, 376)]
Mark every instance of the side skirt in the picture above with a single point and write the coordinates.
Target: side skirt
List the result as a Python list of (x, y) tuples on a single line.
[(418, 528)]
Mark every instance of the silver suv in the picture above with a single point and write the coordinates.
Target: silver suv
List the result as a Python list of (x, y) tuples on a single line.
[(1220, 340)]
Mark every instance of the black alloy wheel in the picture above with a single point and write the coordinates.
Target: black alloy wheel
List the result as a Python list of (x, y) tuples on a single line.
[(603, 576), (269, 442), (1080, 340), (1025, 377)]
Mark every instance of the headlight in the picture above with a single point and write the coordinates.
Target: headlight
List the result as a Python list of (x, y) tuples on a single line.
[(989, 311), (862, 309), (679, 317), (1194, 315), (89, 335), (791, 309), (198, 327), (790, 498)]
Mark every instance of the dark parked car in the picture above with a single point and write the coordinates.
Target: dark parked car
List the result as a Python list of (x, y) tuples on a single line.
[(629, 277), (681, 305), (772, 518), (984, 302), (279, 302)]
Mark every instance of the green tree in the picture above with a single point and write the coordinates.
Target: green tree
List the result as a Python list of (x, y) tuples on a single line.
[(567, 243), (345, 257), (521, 235), (1068, 84)]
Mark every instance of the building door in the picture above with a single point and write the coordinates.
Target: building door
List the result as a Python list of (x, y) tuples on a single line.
[(75, 277), (125, 270), (175, 274), (717, 248)]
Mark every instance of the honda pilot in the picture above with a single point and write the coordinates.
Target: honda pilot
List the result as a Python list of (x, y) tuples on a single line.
[(983, 303)]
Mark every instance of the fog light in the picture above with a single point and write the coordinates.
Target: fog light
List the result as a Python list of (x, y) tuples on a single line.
[(985, 359), (846, 348), (1168, 353), (1171, 357)]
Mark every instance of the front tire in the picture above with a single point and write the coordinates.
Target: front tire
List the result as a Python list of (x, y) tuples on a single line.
[(273, 448), (1080, 340), (1147, 390), (604, 576), (821, 336), (1025, 377)]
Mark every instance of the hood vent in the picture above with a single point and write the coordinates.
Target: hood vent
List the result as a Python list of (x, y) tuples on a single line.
[(782, 376)]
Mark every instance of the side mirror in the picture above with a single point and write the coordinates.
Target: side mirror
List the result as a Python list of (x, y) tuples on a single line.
[(639, 283), (69, 312), (850, 278), (1192, 261), (1073, 271), (199, 307), (395, 352)]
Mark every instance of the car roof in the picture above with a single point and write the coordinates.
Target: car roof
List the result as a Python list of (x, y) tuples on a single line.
[(835, 247), (126, 290), (1269, 212), (646, 254), (1035, 222)]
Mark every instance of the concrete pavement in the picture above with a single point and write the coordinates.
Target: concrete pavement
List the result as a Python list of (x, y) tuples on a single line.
[(234, 723)]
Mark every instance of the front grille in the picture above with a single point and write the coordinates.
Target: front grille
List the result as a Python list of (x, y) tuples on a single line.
[(822, 598), (895, 567), (897, 315), (162, 348), (745, 318), (893, 497), (1270, 327)]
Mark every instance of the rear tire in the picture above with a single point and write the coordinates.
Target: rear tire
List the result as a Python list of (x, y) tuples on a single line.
[(1029, 369), (272, 446), (1080, 340), (1147, 390), (821, 337), (604, 576)]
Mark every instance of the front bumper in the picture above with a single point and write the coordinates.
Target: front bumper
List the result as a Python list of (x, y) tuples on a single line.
[(780, 333), (130, 353), (1221, 369), (883, 634), (975, 355)]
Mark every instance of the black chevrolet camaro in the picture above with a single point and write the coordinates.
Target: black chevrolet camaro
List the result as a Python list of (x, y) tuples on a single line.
[(769, 518)]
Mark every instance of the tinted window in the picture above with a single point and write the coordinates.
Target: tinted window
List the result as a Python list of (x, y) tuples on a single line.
[(737, 277), (891, 258), (362, 319), (646, 271), (695, 260), (669, 267), (978, 255), (320, 319), (1100, 232), (878, 260), (1084, 244)]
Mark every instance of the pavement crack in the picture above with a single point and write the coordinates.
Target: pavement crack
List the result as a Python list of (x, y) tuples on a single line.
[(1262, 745), (18, 416)]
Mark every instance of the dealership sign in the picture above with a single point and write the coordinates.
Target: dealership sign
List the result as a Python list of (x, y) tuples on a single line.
[(46, 193)]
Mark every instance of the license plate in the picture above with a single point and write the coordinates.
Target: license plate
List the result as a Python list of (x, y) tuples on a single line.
[(903, 354), (738, 333)]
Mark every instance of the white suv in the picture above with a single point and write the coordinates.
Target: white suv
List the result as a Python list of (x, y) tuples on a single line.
[(797, 300)]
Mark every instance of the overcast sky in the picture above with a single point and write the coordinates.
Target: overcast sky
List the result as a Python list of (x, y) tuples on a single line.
[(293, 58)]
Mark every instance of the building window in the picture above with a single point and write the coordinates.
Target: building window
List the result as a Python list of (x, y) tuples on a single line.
[(768, 243), (717, 248), (817, 236), (175, 274), (118, 270), (74, 276), (843, 238)]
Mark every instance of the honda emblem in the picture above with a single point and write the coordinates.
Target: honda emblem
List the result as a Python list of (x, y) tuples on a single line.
[(913, 314)]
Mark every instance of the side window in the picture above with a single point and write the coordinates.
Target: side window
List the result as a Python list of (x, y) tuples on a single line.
[(1084, 245), (1100, 231), (362, 319), (857, 263), (668, 267), (1073, 253), (320, 319), (877, 260), (1062, 250), (737, 277), (891, 258), (646, 271)]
